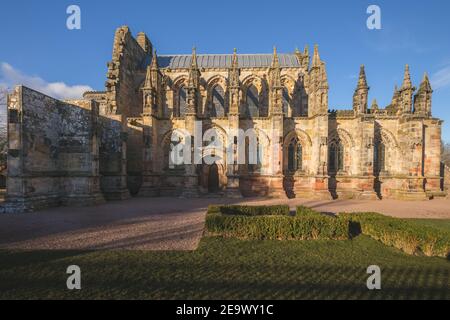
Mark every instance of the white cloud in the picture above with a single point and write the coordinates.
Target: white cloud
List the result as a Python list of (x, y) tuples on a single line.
[(10, 77), (441, 78)]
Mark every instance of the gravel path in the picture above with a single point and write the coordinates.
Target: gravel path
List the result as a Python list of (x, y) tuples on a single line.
[(162, 223)]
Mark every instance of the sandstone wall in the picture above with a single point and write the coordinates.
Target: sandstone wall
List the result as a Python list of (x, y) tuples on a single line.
[(53, 152), (112, 152), (125, 74), (135, 154)]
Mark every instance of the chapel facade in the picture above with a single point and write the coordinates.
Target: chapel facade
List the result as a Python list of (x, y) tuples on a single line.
[(365, 152)]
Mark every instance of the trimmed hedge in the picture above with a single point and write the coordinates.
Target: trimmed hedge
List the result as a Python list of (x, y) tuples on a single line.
[(399, 233), (275, 223), (280, 210), (305, 211), (255, 225)]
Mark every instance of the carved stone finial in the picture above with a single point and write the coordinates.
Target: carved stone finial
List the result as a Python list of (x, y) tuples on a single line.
[(374, 106), (275, 61), (316, 58), (154, 63), (362, 80), (425, 85), (407, 84)]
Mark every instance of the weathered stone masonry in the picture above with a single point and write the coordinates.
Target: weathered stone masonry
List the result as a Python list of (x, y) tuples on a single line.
[(115, 144), (53, 152)]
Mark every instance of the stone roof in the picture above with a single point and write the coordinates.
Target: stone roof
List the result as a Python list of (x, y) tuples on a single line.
[(219, 61)]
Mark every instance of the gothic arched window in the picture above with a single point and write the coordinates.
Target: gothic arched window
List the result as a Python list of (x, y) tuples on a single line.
[(332, 158), (250, 159), (218, 108), (380, 157), (295, 156), (340, 157), (291, 157), (299, 157), (286, 102), (181, 112), (336, 157), (299, 101), (172, 159), (252, 109), (259, 156)]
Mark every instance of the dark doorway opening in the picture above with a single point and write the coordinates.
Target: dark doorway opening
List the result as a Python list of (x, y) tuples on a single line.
[(213, 179)]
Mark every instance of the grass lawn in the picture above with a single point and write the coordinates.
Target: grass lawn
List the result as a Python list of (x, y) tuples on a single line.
[(229, 269)]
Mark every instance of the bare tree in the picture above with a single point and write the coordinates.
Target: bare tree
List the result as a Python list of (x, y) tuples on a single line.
[(445, 153), (3, 137)]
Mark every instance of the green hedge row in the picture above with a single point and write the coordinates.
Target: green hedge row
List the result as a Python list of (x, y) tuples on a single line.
[(305, 211), (279, 210), (275, 223), (399, 233), (259, 226)]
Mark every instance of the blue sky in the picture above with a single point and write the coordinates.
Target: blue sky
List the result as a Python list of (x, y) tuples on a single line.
[(37, 45)]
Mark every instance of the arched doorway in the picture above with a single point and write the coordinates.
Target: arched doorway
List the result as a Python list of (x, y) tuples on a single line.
[(213, 179)]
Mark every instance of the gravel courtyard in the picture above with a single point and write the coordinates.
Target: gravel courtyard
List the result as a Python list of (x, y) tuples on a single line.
[(163, 223)]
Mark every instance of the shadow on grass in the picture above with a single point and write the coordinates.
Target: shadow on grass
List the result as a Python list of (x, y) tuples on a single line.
[(354, 229), (11, 259), (227, 280), (228, 269)]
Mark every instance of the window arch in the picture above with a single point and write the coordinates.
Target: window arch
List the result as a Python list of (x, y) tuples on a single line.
[(332, 158), (249, 159), (218, 107), (379, 157), (169, 163), (340, 157), (259, 156), (336, 157), (252, 109), (181, 99), (286, 102), (304, 105), (291, 157), (299, 100), (295, 156)]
